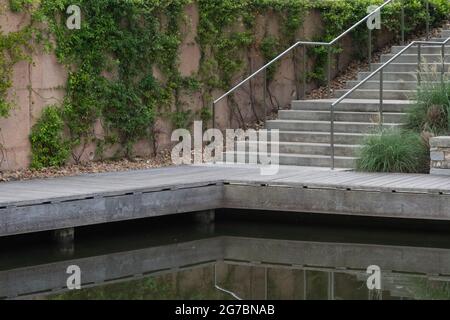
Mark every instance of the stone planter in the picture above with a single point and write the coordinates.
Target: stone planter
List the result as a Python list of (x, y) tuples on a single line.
[(440, 155)]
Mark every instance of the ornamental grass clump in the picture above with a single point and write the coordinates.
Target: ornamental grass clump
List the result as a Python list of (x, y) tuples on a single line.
[(431, 112), (393, 150)]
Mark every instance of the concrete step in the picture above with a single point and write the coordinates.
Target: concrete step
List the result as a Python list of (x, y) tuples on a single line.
[(321, 137), (445, 34), (438, 39), (410, 67), (375, 93), (390, 76), (346, 150), (310, 160), (402, 76), (324, 126), (346, 116), (413, 58), (423, 50), (352, 105), (375, 84)]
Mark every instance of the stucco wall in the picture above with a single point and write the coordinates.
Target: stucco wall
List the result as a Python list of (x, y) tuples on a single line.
[(41, 83)]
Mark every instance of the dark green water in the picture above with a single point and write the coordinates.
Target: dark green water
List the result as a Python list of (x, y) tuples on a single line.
[(245, 256)]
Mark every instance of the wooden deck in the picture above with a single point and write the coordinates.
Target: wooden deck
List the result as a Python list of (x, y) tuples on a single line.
[(48, 204)]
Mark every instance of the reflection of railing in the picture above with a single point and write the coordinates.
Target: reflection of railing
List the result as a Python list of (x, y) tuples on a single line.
[(380, 71), (329, 45)]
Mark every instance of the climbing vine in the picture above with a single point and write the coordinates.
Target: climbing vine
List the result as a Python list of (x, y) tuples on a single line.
[(14, 47), (111, 62), (227, 34), (337, 15)]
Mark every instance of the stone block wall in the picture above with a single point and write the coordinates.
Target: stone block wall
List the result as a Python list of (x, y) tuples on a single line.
[(440, 155)]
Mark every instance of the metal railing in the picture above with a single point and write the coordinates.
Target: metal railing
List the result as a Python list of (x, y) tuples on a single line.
[(380, 70), (330, 44)]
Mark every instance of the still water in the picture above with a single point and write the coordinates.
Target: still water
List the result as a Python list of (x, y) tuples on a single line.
[(242, 256)]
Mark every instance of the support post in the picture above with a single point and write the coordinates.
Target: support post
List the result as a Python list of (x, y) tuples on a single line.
[(205, 220), (329, 73), (296, 78), (213, 115), (64, 236), (402, 26), (381, 99), (64, 239), (427, 8), (304, 72), (443, 63), (265, 95), (419, 61), (332, 136)]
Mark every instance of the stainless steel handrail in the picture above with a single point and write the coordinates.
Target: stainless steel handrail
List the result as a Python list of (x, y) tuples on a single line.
[(380, 70), (312, 43)]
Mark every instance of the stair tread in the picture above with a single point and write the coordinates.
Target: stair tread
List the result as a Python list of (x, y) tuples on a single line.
[(358, 101), (296, 155), (324, 133), (377, 90), (343, 112), (415, 54), (324, 121), (305, 143)]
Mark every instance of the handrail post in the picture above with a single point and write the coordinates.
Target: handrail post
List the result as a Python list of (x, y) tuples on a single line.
[(427, 6), (419, 61), (443, 64), (213, 115), (369, 45), (332, 136), (381, 99), (296, 78), (402, 24), (304, 72), (265, 95), (329, 73)]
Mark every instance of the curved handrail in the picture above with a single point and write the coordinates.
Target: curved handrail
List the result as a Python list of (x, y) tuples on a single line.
[(305, 43), (380, 70)]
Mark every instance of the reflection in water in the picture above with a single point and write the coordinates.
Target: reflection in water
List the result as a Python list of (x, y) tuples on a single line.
[(245, 260), (254, 282)]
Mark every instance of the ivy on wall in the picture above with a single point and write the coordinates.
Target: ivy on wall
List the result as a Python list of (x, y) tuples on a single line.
[(14, 47), (337, 15), (111, 60)]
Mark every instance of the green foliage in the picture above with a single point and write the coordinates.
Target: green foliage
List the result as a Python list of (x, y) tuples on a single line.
[(431, 112), (49, 147), (338, 15), (392, 150), (20, 5), (13, 48), (270, 48), (111, 61), (224, 43)]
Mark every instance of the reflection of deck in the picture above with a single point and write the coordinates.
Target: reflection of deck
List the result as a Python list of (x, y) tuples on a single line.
[(39, 205), (327, 257)]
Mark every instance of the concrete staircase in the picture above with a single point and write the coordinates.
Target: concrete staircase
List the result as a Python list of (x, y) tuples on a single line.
[(304, 138)]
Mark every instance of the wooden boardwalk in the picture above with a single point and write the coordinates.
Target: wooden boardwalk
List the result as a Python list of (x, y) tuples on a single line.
[(48, 204)]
